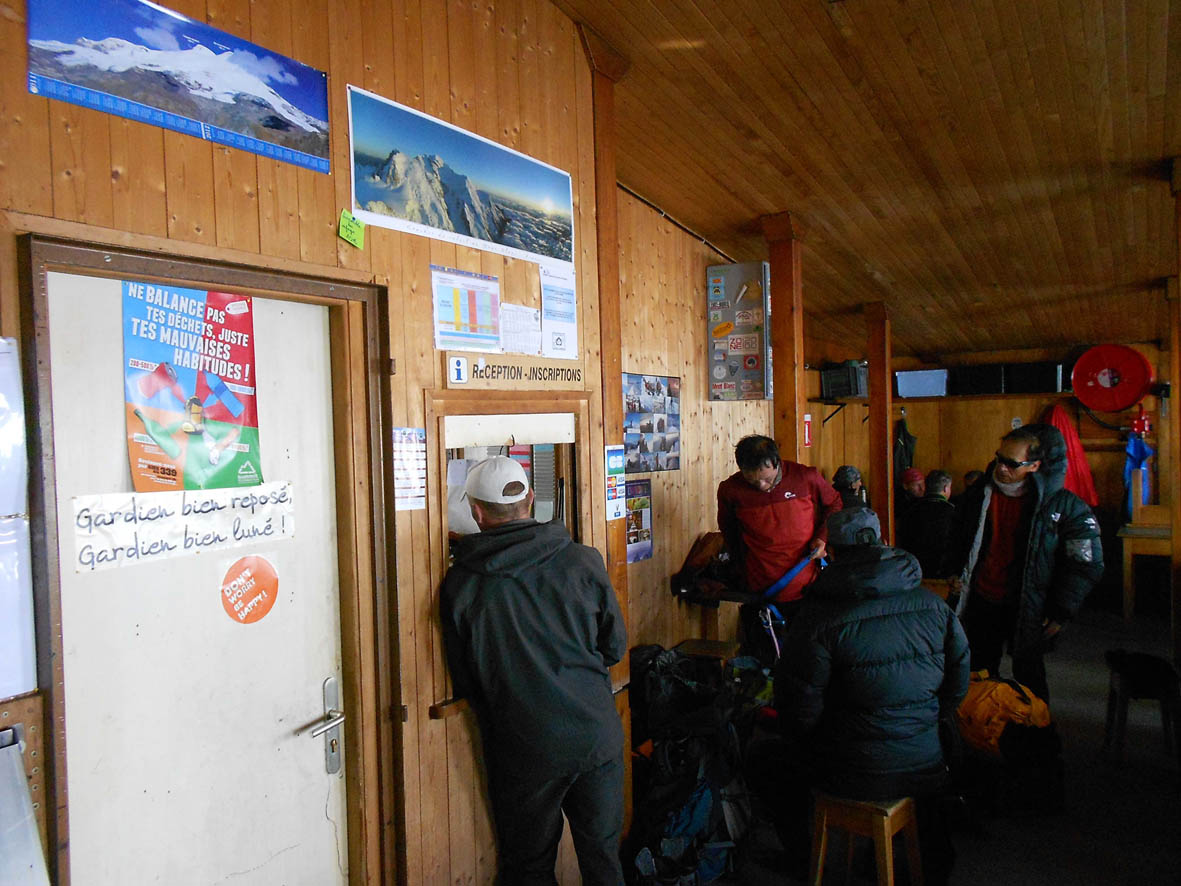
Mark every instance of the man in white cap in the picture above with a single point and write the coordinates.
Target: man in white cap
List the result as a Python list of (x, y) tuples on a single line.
[(530, 625)]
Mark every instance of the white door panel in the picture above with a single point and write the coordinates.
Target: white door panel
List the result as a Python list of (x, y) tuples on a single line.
[(183, 762)]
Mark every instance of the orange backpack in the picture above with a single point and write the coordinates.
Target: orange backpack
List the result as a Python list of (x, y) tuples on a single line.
[(993, 703)]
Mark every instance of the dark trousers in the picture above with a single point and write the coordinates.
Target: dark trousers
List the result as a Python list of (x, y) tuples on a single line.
[(989, 627), (528, 817)]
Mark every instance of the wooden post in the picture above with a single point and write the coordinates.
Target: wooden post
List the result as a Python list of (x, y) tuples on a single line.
[(1174, 445), (784, 235), (881, 396), (608, 67)]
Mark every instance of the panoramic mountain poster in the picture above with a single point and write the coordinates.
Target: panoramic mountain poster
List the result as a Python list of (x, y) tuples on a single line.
[(417, 174), (138, 60)]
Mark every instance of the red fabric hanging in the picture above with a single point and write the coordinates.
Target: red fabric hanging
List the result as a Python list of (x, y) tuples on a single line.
[(1078, 472)]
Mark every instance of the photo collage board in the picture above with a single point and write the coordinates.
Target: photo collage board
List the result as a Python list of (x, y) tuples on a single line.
[(651, 423)]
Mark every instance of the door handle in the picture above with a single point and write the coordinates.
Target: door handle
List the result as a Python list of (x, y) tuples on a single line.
[(332, 719), (329, 727)]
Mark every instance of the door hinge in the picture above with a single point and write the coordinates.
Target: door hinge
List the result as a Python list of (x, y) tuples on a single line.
[(393, 366)]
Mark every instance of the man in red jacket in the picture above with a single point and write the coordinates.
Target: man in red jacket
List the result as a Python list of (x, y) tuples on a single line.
[(772, 514)]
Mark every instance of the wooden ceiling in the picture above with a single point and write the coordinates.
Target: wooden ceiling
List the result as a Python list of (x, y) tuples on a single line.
[(996, 171)]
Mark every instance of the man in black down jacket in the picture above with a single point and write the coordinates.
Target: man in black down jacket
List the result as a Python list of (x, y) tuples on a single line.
[(530, 625), (1028, 553), (871, 664)]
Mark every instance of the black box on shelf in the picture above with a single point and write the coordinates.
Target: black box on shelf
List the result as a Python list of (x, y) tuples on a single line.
[(983, 379), (848, 379), (1033, 378)]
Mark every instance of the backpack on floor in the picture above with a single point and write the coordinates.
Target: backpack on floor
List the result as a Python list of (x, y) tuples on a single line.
[(992, 706), (692, 808), (1012, 761)]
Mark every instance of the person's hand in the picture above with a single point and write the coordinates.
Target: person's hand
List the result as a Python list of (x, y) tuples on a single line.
[(818, 549), (1050, 629)]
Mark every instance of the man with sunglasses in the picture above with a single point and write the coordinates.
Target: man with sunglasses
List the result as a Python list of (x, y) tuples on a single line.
[(1028, 553)]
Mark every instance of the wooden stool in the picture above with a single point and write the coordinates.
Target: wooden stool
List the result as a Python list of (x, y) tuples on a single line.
[(1139, 675), (879, 820)]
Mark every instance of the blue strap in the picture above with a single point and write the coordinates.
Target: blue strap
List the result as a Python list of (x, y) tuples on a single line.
[(786, 579)]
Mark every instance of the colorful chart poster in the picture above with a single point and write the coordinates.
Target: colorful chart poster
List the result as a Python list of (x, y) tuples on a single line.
[(639, 520), (138, 60), (651, 423), (189, 381), (467, 311), (409, 469)]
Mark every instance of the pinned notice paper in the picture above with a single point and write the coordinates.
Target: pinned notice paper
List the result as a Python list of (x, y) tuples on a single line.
[(351, 230)]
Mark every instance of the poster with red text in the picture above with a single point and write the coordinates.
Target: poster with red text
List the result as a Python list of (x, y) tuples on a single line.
[(188, 366)]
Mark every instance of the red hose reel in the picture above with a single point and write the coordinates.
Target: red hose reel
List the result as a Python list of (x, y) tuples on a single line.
[(1112, 378)]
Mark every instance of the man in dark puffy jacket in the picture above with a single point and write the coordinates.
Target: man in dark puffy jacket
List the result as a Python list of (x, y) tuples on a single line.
[(530, 625), (1028, 553), (871, 664)]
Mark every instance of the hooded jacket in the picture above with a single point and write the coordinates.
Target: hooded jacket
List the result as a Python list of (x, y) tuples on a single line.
[(530, 625), (1064, 557), (870, 664)]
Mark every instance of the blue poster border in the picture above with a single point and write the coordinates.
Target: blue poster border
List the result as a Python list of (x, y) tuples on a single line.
[(133, 110)]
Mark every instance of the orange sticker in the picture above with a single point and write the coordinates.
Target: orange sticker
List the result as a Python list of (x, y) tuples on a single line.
[(723, 329), (249, 589)]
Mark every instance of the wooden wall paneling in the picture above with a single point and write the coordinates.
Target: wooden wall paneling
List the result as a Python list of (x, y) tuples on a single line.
[(278, 183), (378, 39), (80, 152), (487, 92), (139, 201), (506, 16), (318, 212), (347, 28), (26, 178), (235, 171), (529, 78), (409, 67), (188, 168), (462, 65)]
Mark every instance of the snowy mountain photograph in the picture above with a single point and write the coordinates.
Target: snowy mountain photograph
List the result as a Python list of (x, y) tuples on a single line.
[(415, 173), (140, 60)]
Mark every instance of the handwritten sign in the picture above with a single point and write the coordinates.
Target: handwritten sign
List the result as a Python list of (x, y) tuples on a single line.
[(129, 528), (351, 230)]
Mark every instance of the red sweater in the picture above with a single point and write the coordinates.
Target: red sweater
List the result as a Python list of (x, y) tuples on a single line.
[(998, 573), (771, 531)]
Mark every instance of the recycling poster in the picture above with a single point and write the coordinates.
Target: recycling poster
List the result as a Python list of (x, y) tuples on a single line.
[(188, 364)]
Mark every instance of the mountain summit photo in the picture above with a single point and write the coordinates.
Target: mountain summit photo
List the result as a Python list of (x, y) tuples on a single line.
[(418, 174), (142, 61)]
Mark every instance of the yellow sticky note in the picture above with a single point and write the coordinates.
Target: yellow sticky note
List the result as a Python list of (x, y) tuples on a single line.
[(351, 230)]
